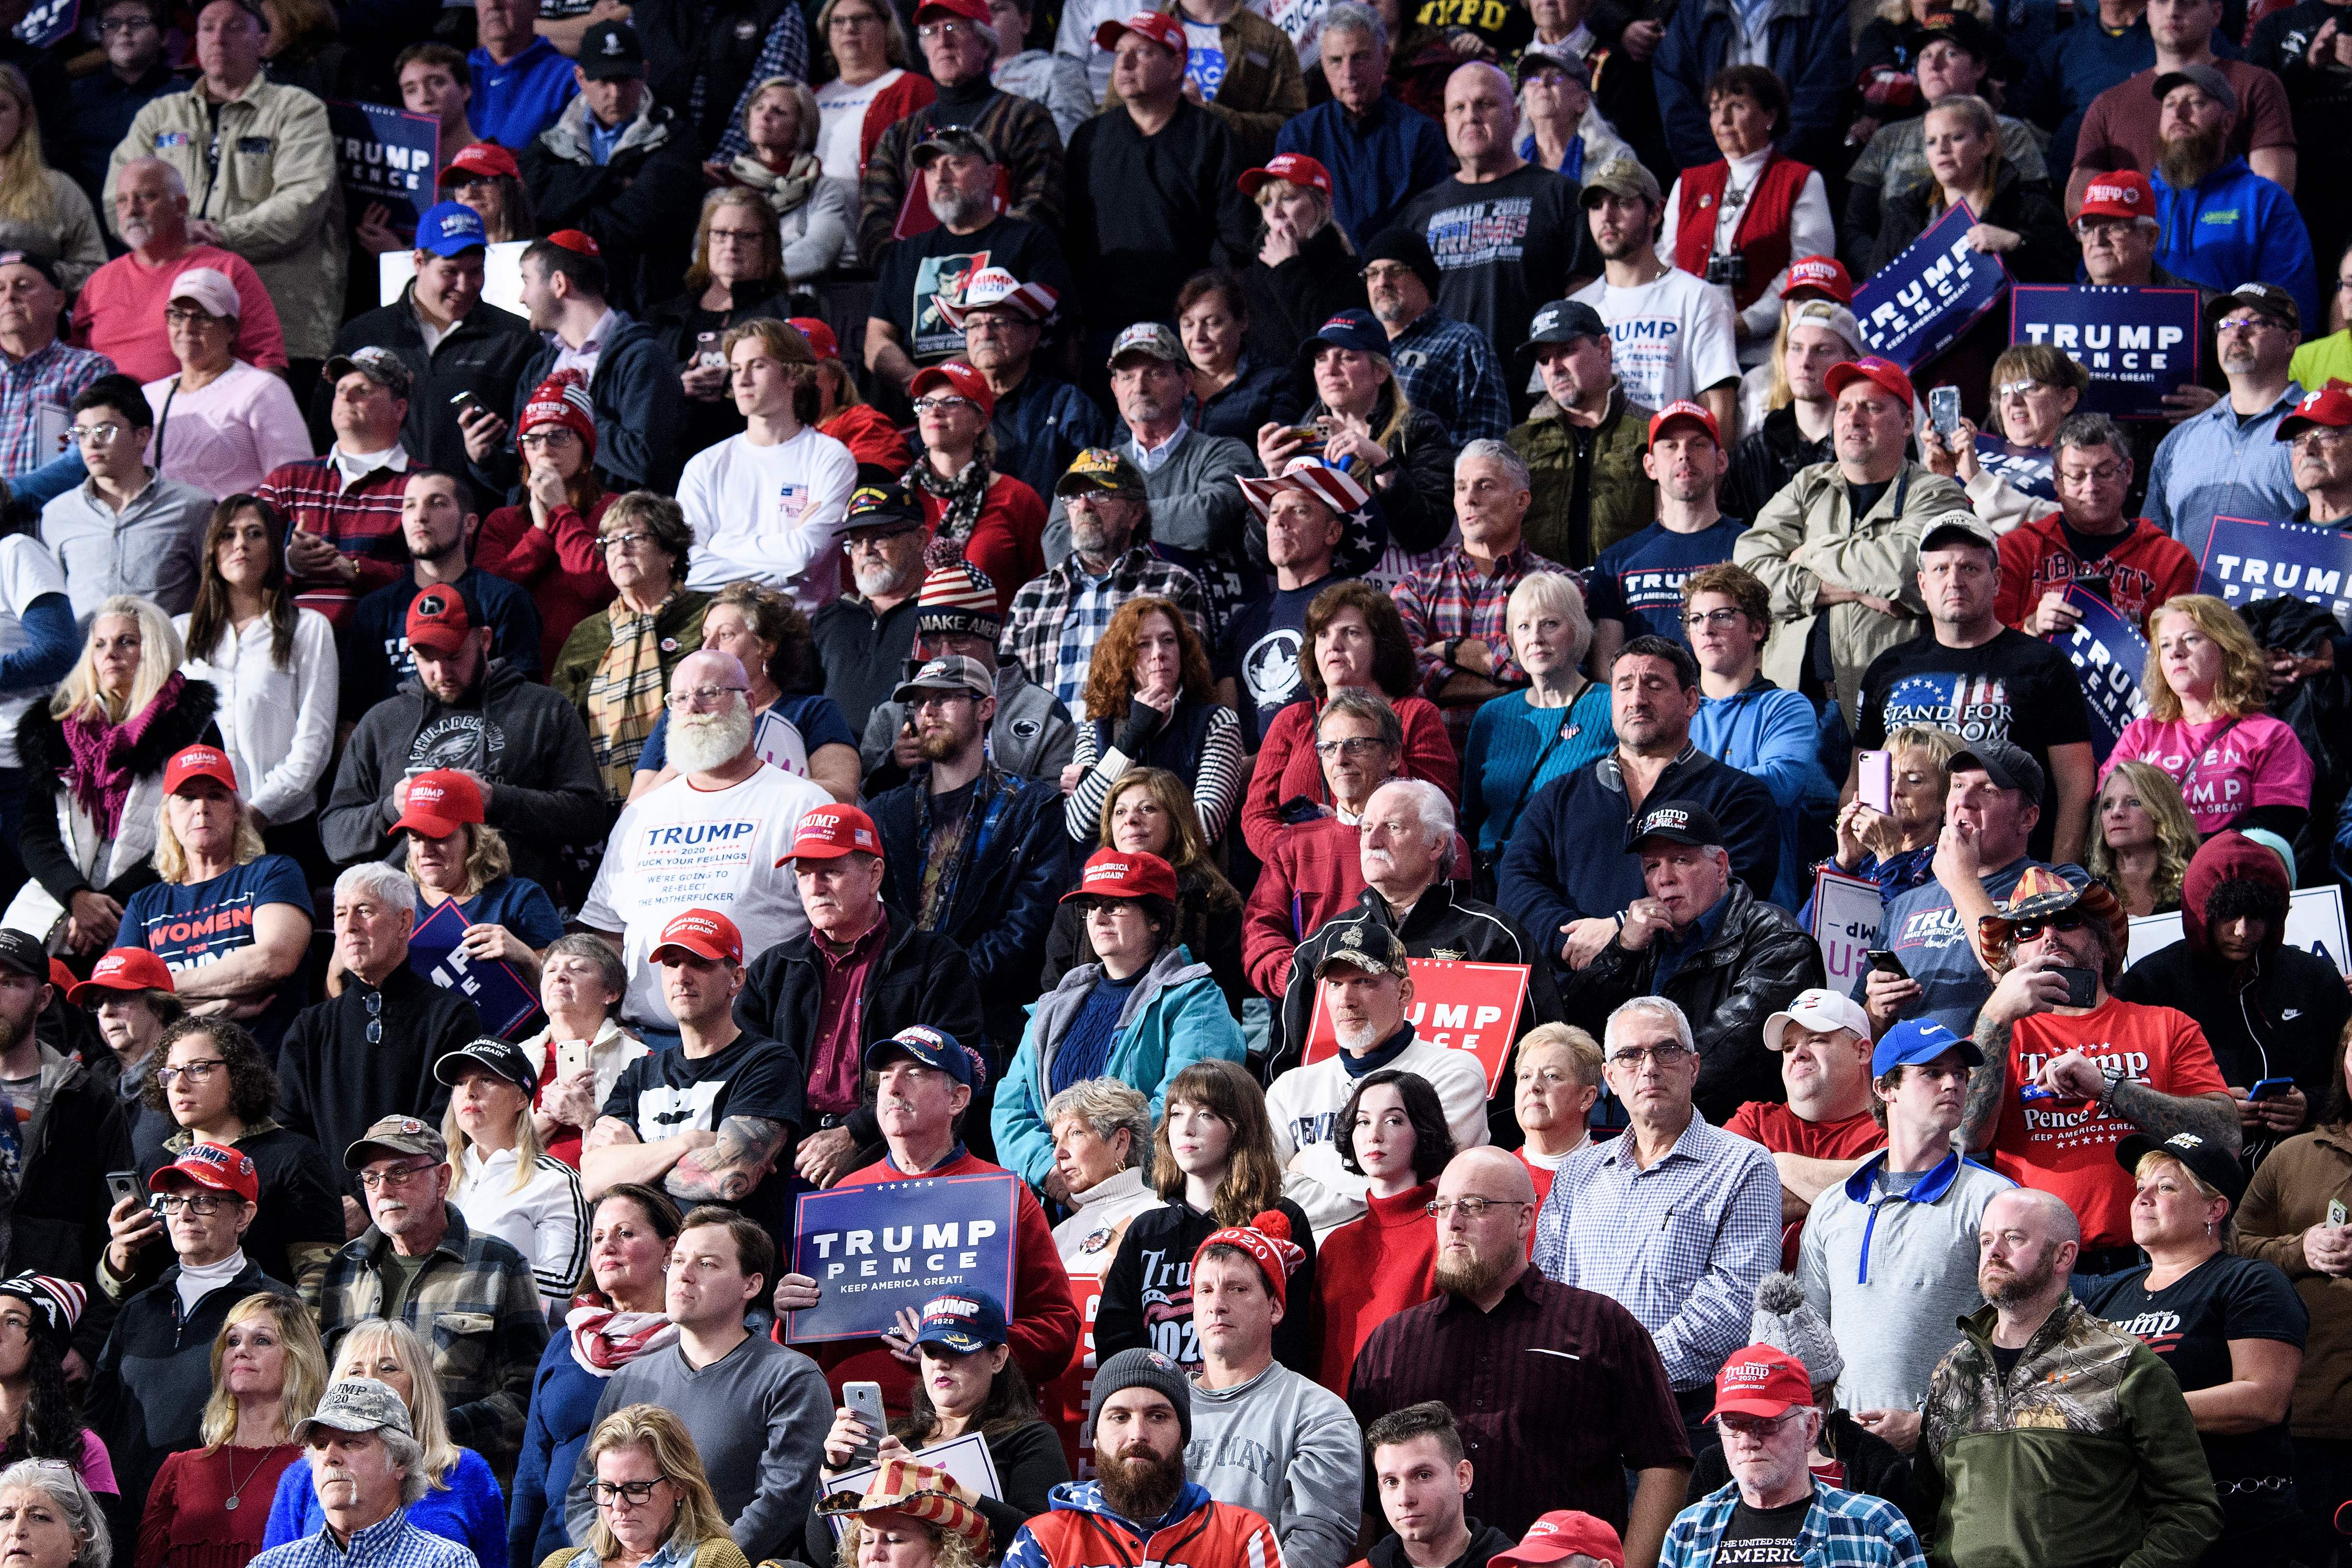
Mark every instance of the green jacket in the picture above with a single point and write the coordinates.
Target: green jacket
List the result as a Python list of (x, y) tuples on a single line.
[(2084, 1456), (1624, 501), (680, 626)]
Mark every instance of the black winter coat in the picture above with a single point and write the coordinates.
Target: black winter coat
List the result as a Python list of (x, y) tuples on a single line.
[(58, 1223), (2046, 252), (42, 752), (920, 978), (1767, 458), (640, 209), (484, 353), (1413, 511), (1757, 962), (1873, 1466), (1289, 303)]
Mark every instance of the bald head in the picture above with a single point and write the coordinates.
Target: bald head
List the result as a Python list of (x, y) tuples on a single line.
[(1489, 1173), (2041, 1214), (1481, 112), (2027, 1245), (1480, 1254), (708, 667)]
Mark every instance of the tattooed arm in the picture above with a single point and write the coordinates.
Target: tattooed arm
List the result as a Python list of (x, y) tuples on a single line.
[(2031, 987), (2213, 1116), (733, 1162)]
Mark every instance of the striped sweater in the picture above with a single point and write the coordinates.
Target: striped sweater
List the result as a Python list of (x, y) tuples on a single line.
[(362, 521)]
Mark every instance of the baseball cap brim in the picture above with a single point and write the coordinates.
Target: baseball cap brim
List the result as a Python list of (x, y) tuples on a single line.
[(698, 946), (358, 1155), (963, 1341), (431, 824), (1758, 1404), (80, 993), (202, 1175)]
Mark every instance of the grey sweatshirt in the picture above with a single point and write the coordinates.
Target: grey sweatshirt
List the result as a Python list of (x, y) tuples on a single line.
[(1196, 505), (1288, 1449), (758, 1416)]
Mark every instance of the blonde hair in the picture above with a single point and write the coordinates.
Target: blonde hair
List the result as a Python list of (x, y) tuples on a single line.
[(1583, 1050), (428, 1411), (24, 194), (2244, 687), (1550, 590), (525, 1143), (160, 654), (2155, 1160), (665, 1437), (2176, 831), (171, 857), (803, 108), (1792, 314), (1983, 122), (1273, 189), (306, 1365), (1940, 744), (486, 859), (950, 1548)]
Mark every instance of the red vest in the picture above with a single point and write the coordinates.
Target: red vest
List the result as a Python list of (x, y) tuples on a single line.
[(1763, 233)]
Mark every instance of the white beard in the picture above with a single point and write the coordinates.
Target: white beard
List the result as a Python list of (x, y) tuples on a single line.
[(699, 743)]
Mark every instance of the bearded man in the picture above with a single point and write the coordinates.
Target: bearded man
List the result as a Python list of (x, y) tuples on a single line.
[(2237, 224)]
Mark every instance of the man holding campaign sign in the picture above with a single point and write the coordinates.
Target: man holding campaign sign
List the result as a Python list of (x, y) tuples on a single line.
[(2088, 542)]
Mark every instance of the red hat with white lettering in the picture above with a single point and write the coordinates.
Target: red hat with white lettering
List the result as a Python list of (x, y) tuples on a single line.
[(1684, 409), (1763, 1380), (1562, 1534), (1157, 26), (1819, 278), (438, 804), (821, 341), (482, 160), (1883, 373), (960, 380), (123, 969), (830, 832), (214, 1165), (1296, 167), (2120, 193), (1116, 874), (706, 933), (199, 762), (2330, 406)]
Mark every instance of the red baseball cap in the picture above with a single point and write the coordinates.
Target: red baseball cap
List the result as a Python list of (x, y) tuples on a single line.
[(1883, 373), (1683, 408), (1115, 874), (121, 969), (830, 832), (2119, 193), (482, 160), (439, 803), (214, 1165), (1762, 1380), (1157, 26), (706, 933), (437, 621), (2330, 406), (963, 10), (1562, 1534), (820, 336), (1296, 167), (199, 762), (958, 378), (1819, 278)]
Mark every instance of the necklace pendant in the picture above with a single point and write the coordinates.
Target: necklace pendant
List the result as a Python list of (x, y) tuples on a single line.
[(229, 1503)]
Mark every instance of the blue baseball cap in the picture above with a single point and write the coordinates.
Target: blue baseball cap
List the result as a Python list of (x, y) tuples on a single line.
[(963, 1321), (933, 1048), (449, 228), (1919, 1040), (1358, 330)]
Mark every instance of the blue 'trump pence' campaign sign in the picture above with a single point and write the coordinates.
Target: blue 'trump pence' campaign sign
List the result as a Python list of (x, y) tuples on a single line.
[(2108, 655), (2239, 560), (877, 1249), (1918, 304), (49, 23), (386, 156), (2137, 344)]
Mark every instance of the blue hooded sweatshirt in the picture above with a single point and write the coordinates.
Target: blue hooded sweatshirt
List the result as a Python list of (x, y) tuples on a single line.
[(2234, 226), (1772, 734)]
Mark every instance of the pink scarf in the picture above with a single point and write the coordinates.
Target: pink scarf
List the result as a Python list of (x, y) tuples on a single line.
[(101, 776), (603, 1340)]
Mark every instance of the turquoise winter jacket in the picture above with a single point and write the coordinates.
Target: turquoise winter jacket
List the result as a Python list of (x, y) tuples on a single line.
[(1176, 1017)]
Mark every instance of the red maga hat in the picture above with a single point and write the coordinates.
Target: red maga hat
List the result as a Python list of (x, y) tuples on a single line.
[(959, 379), (214, 1165), (706, 933), (482, 160), (1883, 373), (121, 969), (439, 803), (1680, 409), (830, 832), (199, 762), (1116, 874), (2119, 193), (1763, 1380), (1157, 26), (1819, 278), (1296, 167), (1562, 1534)]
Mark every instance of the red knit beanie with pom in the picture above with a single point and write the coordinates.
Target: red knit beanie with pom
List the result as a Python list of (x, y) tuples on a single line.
[(560, 399), (1266, 1238)]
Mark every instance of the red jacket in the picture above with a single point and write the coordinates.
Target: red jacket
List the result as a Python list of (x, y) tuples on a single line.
[(1286, 767), (893, 103), (561, 566), (1763, 233), (2145, 567), (870, 436), (1008, 542), (1315, 871), (1044, 1321), (1078, 1531), (1370, 1269)]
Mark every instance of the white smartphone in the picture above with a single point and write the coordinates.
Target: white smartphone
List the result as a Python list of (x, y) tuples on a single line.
[(570, 1057), (865, 1402)]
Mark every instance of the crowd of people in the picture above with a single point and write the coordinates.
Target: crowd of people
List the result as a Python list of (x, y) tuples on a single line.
[(888, 592)]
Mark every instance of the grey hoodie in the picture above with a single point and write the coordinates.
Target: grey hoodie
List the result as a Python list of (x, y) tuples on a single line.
[(1287, 1449), (1031, 735)]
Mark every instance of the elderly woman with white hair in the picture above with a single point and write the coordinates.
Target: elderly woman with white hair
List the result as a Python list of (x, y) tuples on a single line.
[(50, 1519), (1522, 741), (1102, 1148), (94, 757), (1565, 132)]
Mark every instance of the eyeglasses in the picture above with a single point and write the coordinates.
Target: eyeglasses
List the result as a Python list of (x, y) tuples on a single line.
[(637, 1494), (1756, 1425), (1632, 1059), (99, 435), (177, 317), (375, 1017), (2104, 474), (1712, 617), (539, 440), (941, 402), (701, 697), (988, 323), (126, 24), (942, 698), (197, 1071), (1354, 746), (1379, 273), (930, 30), (398, 1176), (622, 541), (1472, 1208), (2009, 389), (737, 236), (855, 19), (2249, 324), (2033, 930), (195, 1203)]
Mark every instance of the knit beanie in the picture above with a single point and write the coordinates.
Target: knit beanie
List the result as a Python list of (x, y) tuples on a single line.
[(1407, 245), (1266, 1238), (1142, 1369), (1787, 1321), (56, 1303), (560, 399), (957, 597)]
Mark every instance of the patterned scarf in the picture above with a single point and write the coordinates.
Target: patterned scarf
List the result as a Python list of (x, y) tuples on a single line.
[(784, 190), (604, 1340), (963, 495), (100, 748), (625, 695)]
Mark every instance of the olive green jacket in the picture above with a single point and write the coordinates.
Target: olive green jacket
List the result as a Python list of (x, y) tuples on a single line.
[(680, 626), (1623, 500)]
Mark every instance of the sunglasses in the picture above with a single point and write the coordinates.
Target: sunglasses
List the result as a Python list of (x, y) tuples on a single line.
[(2032, 930)]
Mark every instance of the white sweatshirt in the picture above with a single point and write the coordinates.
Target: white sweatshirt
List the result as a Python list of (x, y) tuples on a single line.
[(1305, 1104), (772, 513)]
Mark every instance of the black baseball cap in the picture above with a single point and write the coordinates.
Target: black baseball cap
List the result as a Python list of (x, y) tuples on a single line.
[(23, 953), (610, 50), (2008, 766), (1677, 822), (494, 1054), (2214, 1165), (1564, 322)]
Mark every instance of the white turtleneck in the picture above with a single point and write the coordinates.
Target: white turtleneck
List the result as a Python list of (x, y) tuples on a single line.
[(198, 1280)]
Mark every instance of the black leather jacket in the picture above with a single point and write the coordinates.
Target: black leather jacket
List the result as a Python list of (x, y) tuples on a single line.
[(1766, 458)]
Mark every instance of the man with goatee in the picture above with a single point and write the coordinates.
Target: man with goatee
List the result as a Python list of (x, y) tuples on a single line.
[(2222, 222), (1140, 1416), (1557, 1392)]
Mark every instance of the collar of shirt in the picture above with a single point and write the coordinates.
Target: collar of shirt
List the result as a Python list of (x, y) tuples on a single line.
[(1576, 46), (1607, 1152), (353, 466), (837, 954), (1149, 458), (1510, 563), (1702, 929), (956, 1151), (603, 139), (590, 346), (146, 491), (367, 1543), (1863, 1184), (15, 366), (2225, 414)]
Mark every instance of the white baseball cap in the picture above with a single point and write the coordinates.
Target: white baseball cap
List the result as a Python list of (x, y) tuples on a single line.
[(1820, 1011)]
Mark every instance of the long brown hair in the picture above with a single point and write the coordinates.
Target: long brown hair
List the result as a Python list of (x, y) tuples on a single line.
[(1252, 1181), (1110, 678), (1393, 668), (1188, 851), (209, 621)]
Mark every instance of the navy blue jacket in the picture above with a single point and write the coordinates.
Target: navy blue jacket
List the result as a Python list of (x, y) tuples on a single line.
[(563, 1396), (1556, 869), (1808, 49), (640, 411), (1041, 427), (1378, 163)]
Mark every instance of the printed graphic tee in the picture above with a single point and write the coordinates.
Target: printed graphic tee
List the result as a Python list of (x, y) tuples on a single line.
[(1670, 338), (1502, 246), (190, 925), (2225, 767), (669, 1092), (1639, 581)]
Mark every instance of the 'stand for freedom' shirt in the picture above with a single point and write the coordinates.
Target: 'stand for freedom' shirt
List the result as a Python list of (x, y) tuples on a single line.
[(669, 1092), (192, 925), (1923, 929), (1263, 650), (1670, 338), (2068, 1146), (679, 847), (1639, 581)]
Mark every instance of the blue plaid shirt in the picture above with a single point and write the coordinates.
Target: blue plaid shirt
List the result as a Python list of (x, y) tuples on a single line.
[(1453, 372), (1682, 1245), (391, 1543), (1845, 1530), (1058, 617), (53, 376)]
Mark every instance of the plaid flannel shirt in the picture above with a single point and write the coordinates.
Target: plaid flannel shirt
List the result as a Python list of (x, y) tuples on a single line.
[(1843, 1529), (1682, 1245), (475, 1304), (1056, 620), (362, 520), (1452, 371), (54, 375), (1453, 597), (391, 1542)]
